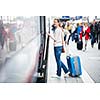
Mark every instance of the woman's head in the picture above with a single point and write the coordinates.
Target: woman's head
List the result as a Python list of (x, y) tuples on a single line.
[(77, 24), (56, 22), (80, 24), (85, 24)]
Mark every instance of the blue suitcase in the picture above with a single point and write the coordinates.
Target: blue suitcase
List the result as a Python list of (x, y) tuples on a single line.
[(74, 66)]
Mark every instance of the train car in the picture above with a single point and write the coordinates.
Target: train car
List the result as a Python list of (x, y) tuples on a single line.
[(26, 48)]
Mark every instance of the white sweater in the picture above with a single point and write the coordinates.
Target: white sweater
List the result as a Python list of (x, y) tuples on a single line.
[(59, 37)]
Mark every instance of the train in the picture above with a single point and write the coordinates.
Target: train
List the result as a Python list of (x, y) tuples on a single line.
[(21, 30)]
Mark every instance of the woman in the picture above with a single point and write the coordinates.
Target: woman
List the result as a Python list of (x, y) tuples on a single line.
[(58, 44), (86, 32)]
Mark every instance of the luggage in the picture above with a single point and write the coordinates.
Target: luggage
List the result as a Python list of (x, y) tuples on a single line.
[(99, 45), (74, 66), (12, 45), (80, 45)]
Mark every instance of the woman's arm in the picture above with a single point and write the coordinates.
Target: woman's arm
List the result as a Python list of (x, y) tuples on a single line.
[(62, 36), (52, 37), (88, 30)]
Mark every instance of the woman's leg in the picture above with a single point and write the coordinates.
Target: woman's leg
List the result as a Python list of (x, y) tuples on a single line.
[(86, 44), (64, 67), (83, 43), (57, 52)]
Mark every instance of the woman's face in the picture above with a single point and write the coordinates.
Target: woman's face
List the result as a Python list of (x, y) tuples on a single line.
[(86, 24), (80, 24), (56, 23)]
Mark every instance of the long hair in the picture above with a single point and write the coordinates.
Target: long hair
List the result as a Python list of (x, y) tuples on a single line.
[(58, 21)]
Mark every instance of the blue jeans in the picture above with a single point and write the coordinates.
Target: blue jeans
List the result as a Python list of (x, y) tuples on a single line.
[(57, 52)]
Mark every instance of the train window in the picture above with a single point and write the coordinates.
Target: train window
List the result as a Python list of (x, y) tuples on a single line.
[(18, 31)]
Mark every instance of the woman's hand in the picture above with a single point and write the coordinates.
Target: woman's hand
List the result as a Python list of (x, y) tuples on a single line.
[(48, 34), (51, 37)]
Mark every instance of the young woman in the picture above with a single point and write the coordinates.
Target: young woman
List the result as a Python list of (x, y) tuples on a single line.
[(58, 44), (86, 32)]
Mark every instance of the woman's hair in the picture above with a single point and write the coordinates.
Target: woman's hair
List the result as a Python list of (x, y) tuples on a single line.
[(77, 24), (86, 23), (57, 20)]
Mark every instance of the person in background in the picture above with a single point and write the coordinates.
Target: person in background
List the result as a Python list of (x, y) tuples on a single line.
[(75, 35), (79, 31), (74, 31), (67, 41), (98, 33), (66, 37), (73, 28), (85, 38), (68, 27), (58, 38), (93, 32)]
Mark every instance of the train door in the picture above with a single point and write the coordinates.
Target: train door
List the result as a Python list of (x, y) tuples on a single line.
[(43, 53)]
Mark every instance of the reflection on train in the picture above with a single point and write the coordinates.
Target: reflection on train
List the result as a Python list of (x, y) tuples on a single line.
[(16, 32)]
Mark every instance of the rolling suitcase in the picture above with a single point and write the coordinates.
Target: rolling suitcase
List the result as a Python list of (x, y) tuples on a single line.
[(74, 66), (80, 45)]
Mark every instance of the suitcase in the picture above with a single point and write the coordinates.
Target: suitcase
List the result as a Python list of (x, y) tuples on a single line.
[(74, 66), (80, 45), (12, 46)]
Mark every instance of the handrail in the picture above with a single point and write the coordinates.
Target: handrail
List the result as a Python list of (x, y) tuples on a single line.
[(46, 48)]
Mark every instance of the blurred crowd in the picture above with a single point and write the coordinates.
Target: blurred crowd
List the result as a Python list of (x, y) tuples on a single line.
[(82, 31), (7, 34)]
